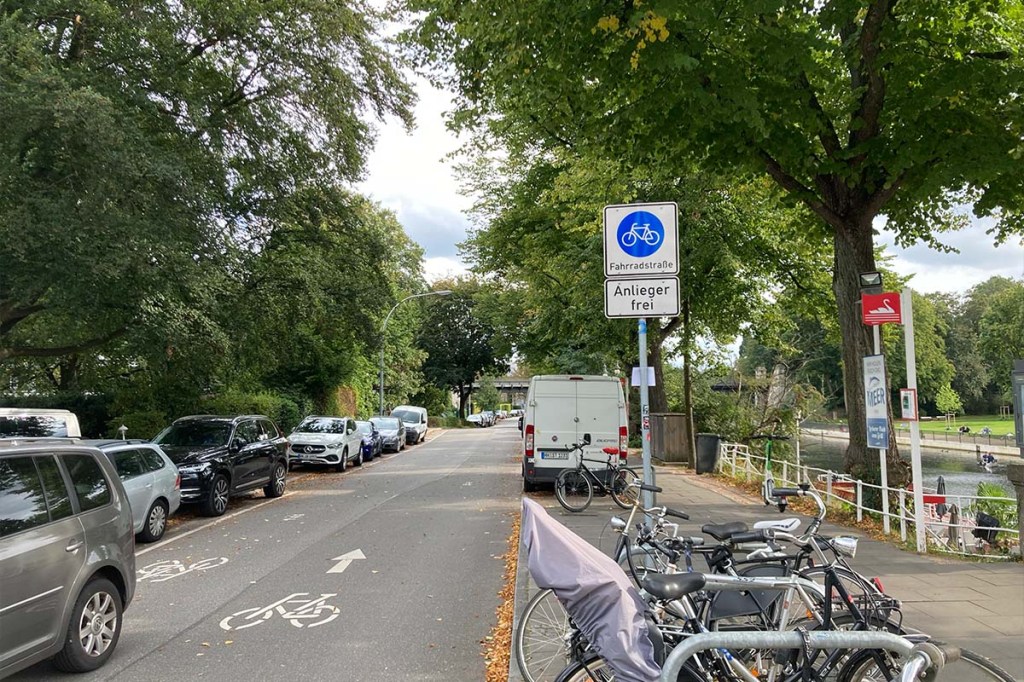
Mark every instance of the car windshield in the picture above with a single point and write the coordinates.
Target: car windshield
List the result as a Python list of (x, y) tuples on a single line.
[(195, 434), (321, 425), (33, 426), (365, 428), (408, 416), (385, 423)]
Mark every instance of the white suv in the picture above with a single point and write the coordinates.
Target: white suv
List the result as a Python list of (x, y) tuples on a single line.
[(334, 441)]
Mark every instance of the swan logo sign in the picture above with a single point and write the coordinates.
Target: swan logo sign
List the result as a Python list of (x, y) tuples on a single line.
[(881, 308)]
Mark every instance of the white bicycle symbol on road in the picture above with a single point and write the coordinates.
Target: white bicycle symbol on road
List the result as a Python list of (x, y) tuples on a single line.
[(165, 570), (308, 613), (640, 232)]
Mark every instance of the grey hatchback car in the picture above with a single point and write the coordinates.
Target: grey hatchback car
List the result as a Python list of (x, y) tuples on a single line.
[(67, 555)]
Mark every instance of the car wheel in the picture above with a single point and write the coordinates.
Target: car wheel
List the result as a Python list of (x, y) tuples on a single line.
[(343, 462), (216, 502), (359, 458), (94, 628), (156, 522), (277, 481)]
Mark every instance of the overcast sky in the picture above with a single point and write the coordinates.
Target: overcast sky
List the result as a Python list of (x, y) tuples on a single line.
[(409, 174)]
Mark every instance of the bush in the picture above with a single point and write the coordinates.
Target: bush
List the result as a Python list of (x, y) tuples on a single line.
[(145, 424), (282, 409)]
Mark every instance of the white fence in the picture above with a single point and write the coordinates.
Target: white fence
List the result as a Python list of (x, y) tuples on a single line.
[(950, 519)]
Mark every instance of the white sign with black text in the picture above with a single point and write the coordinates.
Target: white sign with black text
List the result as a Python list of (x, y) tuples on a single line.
[(641, 297)]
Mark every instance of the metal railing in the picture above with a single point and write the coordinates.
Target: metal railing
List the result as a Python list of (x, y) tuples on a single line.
[(950, 519)]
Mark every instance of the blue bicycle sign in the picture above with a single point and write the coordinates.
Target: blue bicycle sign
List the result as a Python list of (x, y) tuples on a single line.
[(640, 234)]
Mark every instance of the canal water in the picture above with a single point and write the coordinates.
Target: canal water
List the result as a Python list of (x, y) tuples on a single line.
[(959, 469)]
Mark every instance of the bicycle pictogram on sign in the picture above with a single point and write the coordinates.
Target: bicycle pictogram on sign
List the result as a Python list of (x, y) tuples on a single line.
[(640, 234)]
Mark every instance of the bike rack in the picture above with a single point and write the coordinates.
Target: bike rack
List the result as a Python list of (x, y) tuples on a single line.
[(779, 640)]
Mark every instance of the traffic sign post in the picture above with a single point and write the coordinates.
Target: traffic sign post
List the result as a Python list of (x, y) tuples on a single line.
[(641, 261)]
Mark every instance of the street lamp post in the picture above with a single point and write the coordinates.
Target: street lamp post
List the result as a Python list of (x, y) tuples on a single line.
[(442, 292)]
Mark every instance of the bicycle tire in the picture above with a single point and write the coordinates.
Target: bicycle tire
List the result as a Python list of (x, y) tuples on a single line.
[(569, 486), (594, 669), (540, 641), (623, 494), (972, 667)]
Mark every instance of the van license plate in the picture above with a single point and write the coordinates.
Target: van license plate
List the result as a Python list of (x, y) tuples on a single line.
[(554, 455)]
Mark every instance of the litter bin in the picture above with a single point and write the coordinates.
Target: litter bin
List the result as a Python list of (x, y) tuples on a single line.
[(707, 452)]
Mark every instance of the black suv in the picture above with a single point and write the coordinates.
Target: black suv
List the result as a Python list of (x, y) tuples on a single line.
[(223, 456)]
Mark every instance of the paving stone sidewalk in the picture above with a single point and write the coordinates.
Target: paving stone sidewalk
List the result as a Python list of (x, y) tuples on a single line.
[(975, 605)]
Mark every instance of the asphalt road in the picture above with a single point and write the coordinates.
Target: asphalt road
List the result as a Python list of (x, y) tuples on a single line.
[(253, 596)]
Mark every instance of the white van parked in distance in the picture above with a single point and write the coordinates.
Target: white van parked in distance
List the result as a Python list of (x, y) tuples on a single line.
[(415, 419), (560, 409), (25, 422)]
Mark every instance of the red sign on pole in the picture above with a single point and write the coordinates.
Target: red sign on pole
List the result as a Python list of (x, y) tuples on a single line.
[(881, 308)]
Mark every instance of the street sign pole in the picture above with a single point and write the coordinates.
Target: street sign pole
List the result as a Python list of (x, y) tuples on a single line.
[(645, 413), (882, 463), (915, 427)]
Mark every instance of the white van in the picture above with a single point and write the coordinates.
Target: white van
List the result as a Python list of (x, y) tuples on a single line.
[(415, 419), (560, 410), (25, 422)]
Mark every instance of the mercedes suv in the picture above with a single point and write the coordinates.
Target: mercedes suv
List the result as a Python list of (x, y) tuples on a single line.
[(218, 457)]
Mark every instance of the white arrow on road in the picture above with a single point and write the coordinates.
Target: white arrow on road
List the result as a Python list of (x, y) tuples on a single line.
[(344, 560)]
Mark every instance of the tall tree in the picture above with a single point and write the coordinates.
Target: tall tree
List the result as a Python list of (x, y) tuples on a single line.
[(142, 140), (855, 108), (458, 343)]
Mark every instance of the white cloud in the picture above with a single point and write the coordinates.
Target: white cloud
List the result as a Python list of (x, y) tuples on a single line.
[(443, 268), (408, 172)]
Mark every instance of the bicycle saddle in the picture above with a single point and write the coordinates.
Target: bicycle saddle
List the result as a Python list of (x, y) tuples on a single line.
[(723, 531), (667, 586), (610, 451), (785, 525)]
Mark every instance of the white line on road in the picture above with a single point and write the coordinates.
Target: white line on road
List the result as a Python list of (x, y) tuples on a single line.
[(212, 523)]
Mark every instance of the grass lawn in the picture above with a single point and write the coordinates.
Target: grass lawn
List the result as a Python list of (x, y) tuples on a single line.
[(1000, 427)]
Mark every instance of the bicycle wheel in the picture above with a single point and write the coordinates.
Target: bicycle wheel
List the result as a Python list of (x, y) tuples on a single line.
[(596, 670), (573, 490), (865, 594), (972, 667), (541, 639), (623, 493)]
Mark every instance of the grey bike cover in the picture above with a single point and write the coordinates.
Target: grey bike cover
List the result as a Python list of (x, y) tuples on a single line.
[(594, 590)]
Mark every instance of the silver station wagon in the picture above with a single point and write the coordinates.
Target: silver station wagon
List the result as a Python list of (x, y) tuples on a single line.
[(67, 555)]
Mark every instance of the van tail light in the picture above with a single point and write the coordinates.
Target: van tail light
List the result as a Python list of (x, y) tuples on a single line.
[(623, 442), (529, 441), (177, 482)]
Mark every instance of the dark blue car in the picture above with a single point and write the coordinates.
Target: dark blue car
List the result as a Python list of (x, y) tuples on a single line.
[(373, 443)]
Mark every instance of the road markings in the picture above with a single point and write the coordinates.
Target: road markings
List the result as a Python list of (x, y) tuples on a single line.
[(212, 523), (165, 570), (344, 560), (293, 517), (303, 613)]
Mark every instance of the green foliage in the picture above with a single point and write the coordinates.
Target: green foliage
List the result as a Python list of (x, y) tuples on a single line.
[(1003, 509), (459, 343), (436, 400), (145, 424), (1001, 332), (948, 402), (486, 396), (286, 412), (934, 369)]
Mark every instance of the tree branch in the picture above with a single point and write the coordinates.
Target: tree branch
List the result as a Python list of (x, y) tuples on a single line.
[(873, 97), (798, 189), (828, 136), (10, 317), (29, 352)]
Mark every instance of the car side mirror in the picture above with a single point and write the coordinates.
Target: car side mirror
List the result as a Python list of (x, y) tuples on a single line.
[(234, 445)]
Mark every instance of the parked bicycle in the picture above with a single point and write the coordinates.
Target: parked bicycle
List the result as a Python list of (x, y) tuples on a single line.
[(575, 486)]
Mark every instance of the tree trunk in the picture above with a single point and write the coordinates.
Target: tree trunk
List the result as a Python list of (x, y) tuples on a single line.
[(854, 254), (463, 395)]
